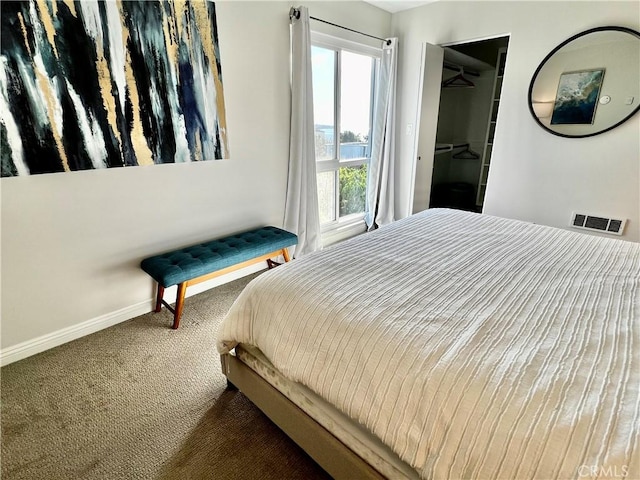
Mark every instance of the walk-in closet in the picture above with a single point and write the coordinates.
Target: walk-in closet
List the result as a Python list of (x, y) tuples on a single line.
[(469, 101)]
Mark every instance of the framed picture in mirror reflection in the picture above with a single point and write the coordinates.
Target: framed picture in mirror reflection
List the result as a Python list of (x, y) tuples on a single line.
[(577, 97)]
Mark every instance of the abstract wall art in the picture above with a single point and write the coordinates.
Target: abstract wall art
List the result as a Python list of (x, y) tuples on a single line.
[(577, 97), (98, 84)]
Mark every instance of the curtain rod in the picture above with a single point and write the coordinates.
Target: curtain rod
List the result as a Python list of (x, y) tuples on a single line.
[(294, 12)]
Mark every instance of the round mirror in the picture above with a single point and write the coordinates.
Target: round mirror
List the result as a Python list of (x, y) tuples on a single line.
[(589, 83)]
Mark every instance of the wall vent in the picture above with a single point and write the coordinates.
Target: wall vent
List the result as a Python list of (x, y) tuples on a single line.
[(612, 226)]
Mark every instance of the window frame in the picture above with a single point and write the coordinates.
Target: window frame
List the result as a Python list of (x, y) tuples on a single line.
[(337, 44)]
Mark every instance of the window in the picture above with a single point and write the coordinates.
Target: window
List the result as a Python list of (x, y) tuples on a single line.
[(343, 92)]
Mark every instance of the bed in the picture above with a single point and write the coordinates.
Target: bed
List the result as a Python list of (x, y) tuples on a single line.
[(449, 345)]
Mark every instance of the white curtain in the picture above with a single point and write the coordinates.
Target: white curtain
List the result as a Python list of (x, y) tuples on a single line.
[(379, 209), (301, 215)]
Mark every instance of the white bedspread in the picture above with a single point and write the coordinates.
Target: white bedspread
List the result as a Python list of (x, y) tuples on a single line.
[(474, 346)]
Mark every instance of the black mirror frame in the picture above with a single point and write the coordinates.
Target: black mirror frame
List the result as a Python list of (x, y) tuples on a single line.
[(544, 61)]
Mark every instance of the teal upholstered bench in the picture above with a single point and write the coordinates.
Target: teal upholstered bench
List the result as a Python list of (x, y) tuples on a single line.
[(197, 263)]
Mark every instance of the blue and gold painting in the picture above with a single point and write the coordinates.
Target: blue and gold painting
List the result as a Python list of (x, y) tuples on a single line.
[(577, 97), (98, 84)]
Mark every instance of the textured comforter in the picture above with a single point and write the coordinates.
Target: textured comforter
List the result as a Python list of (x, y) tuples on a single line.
[(475, 347)]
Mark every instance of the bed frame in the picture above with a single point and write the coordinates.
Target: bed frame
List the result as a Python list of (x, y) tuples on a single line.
[(331, 454)]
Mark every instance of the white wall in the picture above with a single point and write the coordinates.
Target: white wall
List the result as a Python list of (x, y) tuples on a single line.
[(72, 242), (535, 176)]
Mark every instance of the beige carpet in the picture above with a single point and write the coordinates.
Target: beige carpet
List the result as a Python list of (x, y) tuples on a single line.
[(140, 401)]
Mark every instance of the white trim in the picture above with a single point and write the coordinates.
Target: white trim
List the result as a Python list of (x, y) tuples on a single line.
[(416, 131), (45, 342), (474, 40), (333, 42), (343, 232)]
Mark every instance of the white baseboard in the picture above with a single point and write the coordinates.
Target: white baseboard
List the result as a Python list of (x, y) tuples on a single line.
[(45, 342)]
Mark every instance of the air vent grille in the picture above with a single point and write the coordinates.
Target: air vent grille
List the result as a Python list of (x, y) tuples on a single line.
[(599, 224)]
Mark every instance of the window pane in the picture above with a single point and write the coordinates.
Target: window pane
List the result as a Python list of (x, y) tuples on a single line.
[(327, 196), (355, 105), (353, 187), (323, 68)]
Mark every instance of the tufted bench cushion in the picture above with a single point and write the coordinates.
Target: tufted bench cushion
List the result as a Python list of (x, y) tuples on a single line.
[(196, 263)]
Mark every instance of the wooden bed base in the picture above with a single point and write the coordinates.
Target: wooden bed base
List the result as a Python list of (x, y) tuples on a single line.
[(331, 454)]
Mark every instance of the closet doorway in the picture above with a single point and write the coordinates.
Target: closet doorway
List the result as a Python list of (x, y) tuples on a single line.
[(456, 131)]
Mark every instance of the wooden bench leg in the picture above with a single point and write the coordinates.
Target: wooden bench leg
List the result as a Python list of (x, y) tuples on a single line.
[(271, 264), (182, 288), (159, 297)]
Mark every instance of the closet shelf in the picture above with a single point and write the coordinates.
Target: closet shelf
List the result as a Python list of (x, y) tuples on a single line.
[(462, 60), (443, 148), (491, 127), (466, 154)]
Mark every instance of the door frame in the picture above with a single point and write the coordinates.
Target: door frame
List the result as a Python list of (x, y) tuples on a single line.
[(419, 108)]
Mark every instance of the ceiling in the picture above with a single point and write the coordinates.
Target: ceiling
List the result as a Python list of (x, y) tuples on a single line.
[(394, 6)]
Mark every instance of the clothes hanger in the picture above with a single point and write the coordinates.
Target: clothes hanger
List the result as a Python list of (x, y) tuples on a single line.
[(458, 81)]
